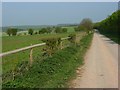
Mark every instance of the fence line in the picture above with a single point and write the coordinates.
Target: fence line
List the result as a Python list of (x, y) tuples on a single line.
[(21, 49), (25, 48)]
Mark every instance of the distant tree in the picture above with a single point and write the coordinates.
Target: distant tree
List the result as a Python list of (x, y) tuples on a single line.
[(64, 30), (30, 31), (53, 26), (82, 28), (86, 24), (9, 31), (49, 30), (96, 25), (58, 29), (39, 32), (36, 32), (42, 31), (14, 31)]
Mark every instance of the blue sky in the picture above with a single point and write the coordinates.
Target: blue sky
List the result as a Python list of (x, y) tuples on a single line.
[(50, 13)]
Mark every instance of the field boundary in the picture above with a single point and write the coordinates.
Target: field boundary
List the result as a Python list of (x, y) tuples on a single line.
[(26, 48), (55, 71)]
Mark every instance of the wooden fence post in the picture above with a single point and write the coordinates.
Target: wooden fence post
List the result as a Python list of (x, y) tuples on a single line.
[(13, 74), (61, 45), (31, 57)]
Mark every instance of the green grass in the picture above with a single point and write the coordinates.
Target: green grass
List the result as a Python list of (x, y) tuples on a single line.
[(10, 62), (15, 42), (55, 71), (9, 43), (70, 29)]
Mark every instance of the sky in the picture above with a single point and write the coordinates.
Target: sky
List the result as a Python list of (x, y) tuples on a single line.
[(52, 13), (59, 0)]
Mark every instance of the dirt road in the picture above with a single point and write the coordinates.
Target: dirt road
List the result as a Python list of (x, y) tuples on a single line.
[(101, 65)]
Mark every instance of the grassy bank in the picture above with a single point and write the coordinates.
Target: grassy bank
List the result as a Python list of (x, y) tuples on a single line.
[(54, 71)]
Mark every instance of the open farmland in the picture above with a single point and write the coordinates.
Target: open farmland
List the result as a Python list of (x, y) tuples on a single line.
[(59, 45), (15, 42), (70, 29), (9, 43)]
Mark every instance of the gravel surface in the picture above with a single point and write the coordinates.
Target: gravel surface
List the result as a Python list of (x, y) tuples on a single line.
[(101, 65)]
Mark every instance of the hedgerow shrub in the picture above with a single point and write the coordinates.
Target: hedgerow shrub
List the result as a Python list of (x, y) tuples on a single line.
[(72, 38), (52, 44)]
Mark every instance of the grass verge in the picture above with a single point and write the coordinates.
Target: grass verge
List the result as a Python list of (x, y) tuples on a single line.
[(55, 71)]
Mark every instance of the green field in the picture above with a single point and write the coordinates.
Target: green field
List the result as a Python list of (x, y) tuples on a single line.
[(70, 29), (15, 42)]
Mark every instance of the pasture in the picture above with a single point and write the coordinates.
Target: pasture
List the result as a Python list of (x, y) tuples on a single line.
[(15, 42)]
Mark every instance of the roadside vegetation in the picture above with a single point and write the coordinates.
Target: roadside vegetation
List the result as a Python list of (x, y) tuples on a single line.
[(85, 25), (110, 26), (9, 43), (53, 64), (15, 42), (55, 71)]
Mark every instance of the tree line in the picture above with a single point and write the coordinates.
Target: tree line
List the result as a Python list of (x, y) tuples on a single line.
[(85, 25), (13, 31), (110, 25)]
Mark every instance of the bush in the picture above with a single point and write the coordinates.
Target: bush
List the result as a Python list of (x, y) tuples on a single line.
[(60, 30), (25, 33), (12, 31), (36, 32), (9, 31), (72, 38), (79, 28), (30, 31), (52, 44), (45, 30), (86, 24), (64, 30)]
